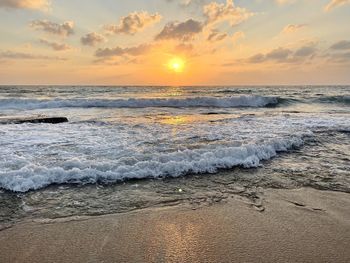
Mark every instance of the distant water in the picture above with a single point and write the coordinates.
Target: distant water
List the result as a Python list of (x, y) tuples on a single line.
[(217, 141)]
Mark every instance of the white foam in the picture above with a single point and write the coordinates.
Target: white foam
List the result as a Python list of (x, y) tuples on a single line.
[(219, 102), (34, 156), (32, 176)]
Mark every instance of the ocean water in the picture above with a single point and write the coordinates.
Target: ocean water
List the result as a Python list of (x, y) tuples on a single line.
[(127, 148)]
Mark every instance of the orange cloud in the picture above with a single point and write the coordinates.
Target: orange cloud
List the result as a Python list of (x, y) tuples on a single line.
[(29, 4), (335, 3), (216, 13), (293, 28)]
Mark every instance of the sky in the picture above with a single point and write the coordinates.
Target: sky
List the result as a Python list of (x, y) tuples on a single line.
[(175, 42)]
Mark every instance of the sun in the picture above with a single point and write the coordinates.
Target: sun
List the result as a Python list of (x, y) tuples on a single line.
[(176, 64)]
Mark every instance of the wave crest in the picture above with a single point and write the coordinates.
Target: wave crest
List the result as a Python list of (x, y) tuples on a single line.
[(33, 177), (225, 102)]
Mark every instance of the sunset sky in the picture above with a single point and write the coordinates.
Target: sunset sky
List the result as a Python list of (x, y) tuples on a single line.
[(175, 42)]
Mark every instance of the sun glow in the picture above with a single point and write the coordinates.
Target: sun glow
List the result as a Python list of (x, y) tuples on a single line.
[(176, 64)]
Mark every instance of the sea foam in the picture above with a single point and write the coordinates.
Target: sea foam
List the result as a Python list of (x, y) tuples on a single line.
[(219, 102), (31, 176)]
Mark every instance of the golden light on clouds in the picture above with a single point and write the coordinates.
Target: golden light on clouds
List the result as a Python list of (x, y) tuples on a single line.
[(212, 42)]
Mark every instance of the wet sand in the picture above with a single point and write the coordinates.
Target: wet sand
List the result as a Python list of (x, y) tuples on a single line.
[(303, 225)]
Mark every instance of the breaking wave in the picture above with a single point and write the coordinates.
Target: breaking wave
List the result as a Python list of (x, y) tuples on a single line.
[(225, 102), (32, 177)]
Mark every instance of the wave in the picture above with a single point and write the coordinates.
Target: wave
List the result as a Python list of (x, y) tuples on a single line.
[(226, 102), (159, 165), (334, 99)]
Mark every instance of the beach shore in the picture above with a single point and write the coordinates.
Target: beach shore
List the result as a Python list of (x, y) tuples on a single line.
[(302, 225)]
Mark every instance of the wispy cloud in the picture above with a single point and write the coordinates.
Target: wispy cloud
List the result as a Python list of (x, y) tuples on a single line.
[(25, 56), (55, 45), (335, 3), (216, 35), (119, 51), (292, 28), (342, 58)]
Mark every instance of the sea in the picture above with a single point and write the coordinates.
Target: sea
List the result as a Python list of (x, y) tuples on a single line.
[(130, 148)]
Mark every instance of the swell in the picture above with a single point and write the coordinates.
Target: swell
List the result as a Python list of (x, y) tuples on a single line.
[(334, 99), (222, 102), (159, 165)]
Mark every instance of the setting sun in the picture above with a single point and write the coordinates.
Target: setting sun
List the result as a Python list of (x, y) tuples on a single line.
[(176, 65)]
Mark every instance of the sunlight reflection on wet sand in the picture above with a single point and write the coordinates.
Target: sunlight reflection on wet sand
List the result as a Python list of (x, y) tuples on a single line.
[(179, 242)]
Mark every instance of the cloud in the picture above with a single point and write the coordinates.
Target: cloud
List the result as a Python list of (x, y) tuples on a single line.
[(92, 39), (216, 13), (64, 29), (293, 28), (56, 46), (335, 3), (184, 31), (216, 35), (118, 51), (26, 4), (279, 54), (341, 45), (133, 23), (27, 56), (340, 57), (257, 58), (285, 55), (341, 52), (306, 51)]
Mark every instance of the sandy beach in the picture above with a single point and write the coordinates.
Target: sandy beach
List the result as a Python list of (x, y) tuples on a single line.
[(303, 225)]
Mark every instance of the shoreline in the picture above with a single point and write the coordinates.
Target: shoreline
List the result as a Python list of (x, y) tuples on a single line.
[(299, 225)]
